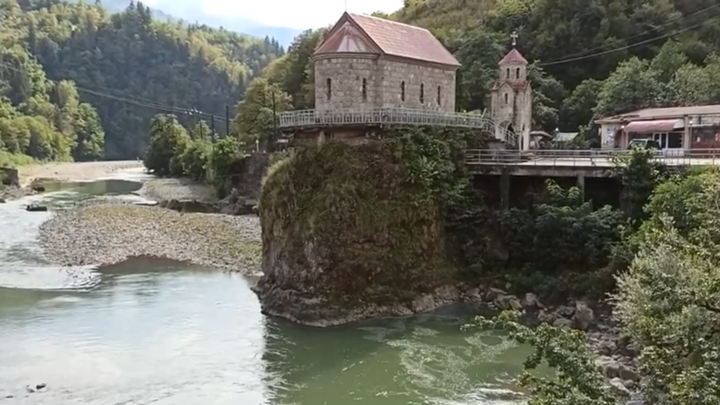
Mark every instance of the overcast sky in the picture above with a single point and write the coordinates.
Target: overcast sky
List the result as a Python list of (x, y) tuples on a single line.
[(300, 14)]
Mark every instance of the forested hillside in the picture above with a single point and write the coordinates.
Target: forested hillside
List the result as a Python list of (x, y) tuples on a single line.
[(590, 57), (69, 71)]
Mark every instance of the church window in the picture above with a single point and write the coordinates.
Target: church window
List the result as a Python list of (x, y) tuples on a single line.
[(506, 98), (328, 88), (517, 73), (364, 89), (422, 93), (438, 96), (507, 73), (402, 91)]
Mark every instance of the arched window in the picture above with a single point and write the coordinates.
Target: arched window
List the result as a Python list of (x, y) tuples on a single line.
[(328, 88), (438, 96), (402, 91), (517, 73), (364, 89), (422, 93), (506, 98), (507, 73)]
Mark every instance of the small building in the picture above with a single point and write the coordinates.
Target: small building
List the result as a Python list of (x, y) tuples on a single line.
[(511, 98), (367, 63), (674, 128)]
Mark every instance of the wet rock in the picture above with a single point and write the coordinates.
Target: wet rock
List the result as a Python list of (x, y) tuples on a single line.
[(584, 317), (493, 293), (507, 302), (618, 387), (545, 316), (40, 386), (2, 201), (627, 373), (563, 323), (605, 347), (39, 189), (36, 208), (531, 302), (565, 311)]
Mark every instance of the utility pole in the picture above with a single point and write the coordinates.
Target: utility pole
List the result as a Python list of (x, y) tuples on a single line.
[(271, 143), (227, 120), (212, 125)]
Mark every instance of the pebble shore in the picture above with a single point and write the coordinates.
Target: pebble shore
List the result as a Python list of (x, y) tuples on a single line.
[(105, 233)]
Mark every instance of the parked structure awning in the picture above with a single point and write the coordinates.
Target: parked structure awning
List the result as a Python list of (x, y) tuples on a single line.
[(644, 127)]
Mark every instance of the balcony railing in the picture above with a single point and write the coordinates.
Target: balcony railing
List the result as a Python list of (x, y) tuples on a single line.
[(391, 116), (586, 158)]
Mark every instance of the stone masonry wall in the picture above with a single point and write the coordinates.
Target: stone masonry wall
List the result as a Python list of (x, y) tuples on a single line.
[(346, 75), (417, 76), (383, 84)]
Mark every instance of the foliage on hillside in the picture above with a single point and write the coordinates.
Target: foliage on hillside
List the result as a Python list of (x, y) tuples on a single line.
[(127, 55)]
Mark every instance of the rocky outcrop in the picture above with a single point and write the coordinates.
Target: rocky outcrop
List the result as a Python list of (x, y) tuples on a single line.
[(9, 177), (344, 239)]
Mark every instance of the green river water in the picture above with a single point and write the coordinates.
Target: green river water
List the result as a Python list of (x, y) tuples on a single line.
[(159, 332)]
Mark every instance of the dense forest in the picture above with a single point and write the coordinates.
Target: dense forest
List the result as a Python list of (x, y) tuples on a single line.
[(77, 82), (589, 58)]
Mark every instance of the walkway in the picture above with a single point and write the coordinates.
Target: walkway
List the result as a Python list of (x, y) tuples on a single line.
[(391, 116)]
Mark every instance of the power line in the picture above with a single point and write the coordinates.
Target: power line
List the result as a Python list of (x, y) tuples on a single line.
[(561, 61), (147, 104), (617, 41)]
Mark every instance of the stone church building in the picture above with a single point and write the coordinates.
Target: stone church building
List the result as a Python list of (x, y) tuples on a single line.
[(511, 98), (368, 62)]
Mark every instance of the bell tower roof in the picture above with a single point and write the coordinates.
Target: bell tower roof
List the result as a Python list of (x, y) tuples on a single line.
[(514, 57)]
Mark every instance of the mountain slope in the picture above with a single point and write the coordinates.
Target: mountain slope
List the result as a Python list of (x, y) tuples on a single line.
[(130, 66)]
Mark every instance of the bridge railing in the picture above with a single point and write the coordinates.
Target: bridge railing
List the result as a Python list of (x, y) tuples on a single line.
[(586, 158), (396, 116)]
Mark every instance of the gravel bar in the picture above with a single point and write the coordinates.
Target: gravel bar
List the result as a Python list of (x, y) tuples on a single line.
[(106, 233)]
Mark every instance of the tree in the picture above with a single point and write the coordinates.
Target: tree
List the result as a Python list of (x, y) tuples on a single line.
[(256, 113), (632, 86), (168, 141)]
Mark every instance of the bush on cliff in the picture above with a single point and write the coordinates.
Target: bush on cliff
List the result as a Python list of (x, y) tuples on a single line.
[(361, 224)]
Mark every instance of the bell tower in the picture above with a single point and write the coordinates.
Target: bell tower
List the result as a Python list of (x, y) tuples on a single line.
[(511, 98)]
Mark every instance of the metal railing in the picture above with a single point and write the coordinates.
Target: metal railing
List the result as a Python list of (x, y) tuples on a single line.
[(586, 158), (393, 116)]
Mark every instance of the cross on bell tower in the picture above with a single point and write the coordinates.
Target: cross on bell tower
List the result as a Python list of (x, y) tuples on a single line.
[(514, 37)]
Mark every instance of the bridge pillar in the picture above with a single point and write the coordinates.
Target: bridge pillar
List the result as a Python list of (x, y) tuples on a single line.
[(505, 188), (581, 184)]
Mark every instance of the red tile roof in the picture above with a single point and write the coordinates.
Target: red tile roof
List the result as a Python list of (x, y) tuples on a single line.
[(402, 40), (513, 57)]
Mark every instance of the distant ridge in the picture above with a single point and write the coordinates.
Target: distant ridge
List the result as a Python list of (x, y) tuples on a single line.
[(194, 14)]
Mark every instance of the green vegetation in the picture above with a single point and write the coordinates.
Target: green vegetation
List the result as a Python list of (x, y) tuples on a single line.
[(372, 212), (175, 151), (78, 83), (665, 299)]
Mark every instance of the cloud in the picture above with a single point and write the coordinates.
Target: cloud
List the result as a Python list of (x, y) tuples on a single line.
[(280, 13)]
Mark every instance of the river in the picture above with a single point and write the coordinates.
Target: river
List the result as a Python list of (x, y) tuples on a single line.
[(154, 331)]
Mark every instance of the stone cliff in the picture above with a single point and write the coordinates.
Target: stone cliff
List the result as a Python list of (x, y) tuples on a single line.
[(349, 233)]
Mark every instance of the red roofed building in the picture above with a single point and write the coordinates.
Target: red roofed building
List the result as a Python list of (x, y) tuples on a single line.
[(368, 62), (511, 98)]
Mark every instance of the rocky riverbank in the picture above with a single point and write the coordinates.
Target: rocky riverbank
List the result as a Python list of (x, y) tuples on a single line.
[(107, 233), (617, 356)]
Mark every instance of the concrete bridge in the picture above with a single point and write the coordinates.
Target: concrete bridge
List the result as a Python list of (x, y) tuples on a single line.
[(512, 178), (570, 163)]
